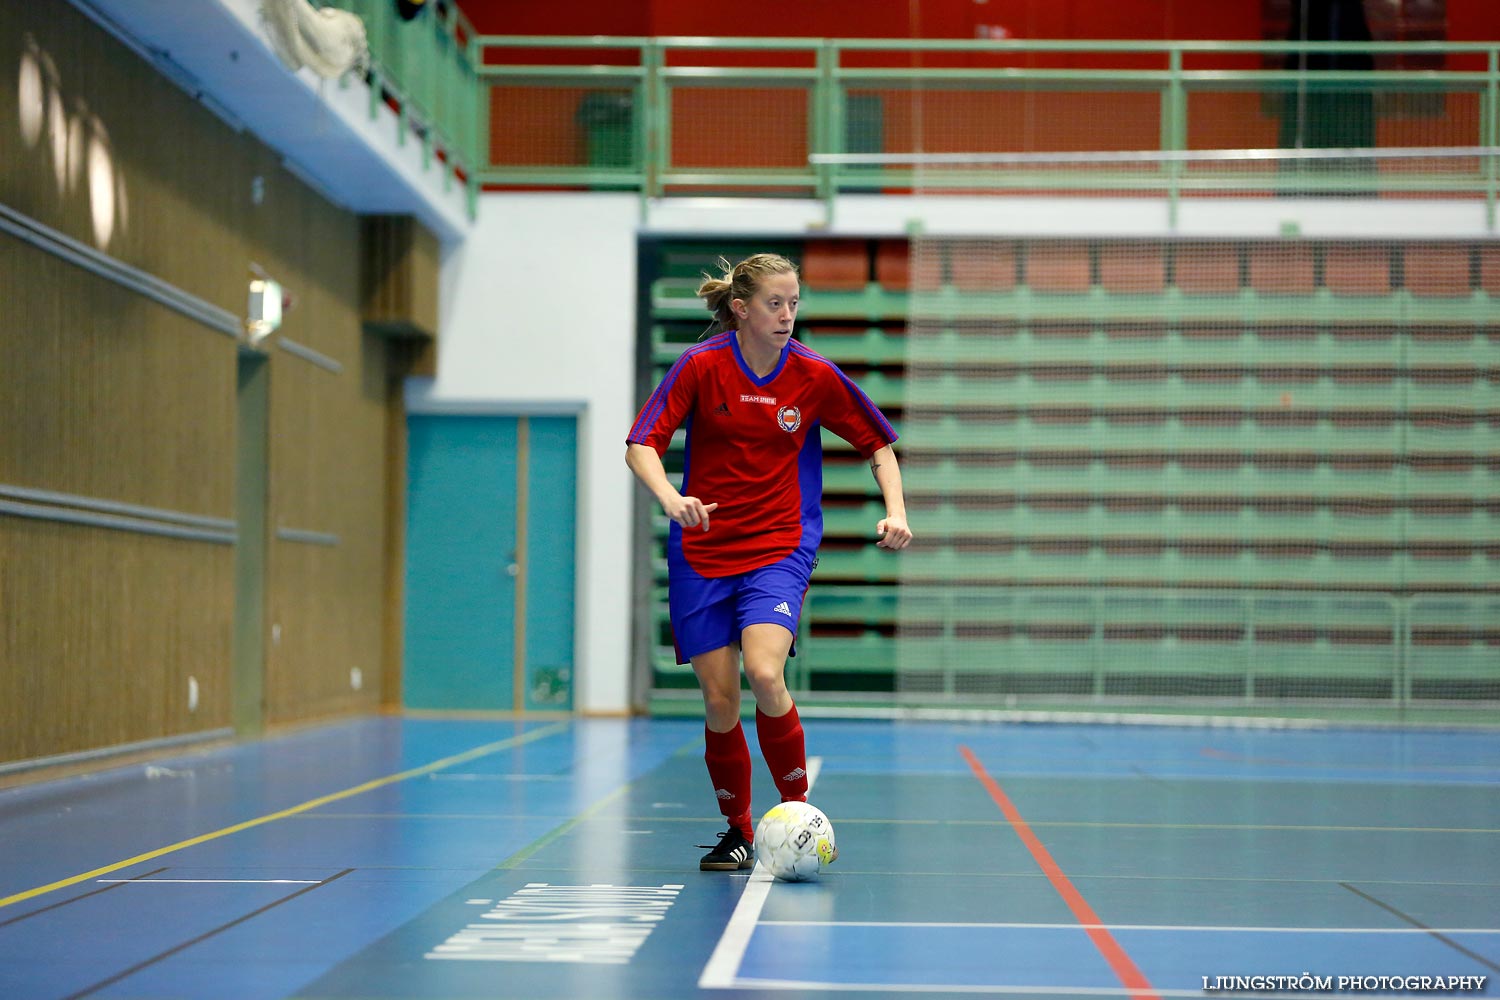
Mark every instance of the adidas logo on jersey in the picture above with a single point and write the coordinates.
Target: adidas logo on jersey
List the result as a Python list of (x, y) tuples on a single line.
[(723, 793), (782, 608), (795, 775), (722, 410)]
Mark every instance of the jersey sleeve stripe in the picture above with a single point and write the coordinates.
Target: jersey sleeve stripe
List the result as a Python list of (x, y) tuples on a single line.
[(658, 401), (864, 401)]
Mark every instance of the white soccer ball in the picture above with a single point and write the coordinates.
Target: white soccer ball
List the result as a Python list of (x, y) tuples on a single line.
[(795, 842)]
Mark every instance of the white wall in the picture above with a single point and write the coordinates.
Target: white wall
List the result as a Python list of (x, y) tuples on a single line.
[(999, 215), (538, 315)]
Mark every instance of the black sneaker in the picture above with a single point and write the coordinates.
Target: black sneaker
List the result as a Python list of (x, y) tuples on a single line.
[(733, 853)]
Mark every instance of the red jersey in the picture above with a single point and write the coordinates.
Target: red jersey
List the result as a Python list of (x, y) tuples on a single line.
[(754, 448)]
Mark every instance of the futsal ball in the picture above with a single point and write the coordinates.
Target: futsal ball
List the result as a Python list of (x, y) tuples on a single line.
[(795, 842)]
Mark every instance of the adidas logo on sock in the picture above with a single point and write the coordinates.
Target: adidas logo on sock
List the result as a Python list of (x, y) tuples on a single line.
[(723, 793), (798, 773), (783, 609)]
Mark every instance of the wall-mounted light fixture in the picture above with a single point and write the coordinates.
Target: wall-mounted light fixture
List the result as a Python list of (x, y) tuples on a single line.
[(268, 301), (76, 141)]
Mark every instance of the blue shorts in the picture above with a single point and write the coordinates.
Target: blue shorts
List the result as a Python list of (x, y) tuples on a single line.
[(708, 613)]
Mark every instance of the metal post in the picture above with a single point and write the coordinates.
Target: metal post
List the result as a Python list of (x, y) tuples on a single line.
[(1490, 134), (825, 136), (1174, 132), (657, 139)]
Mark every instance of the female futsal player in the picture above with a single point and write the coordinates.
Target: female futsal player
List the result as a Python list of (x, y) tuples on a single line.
[(747, 522)]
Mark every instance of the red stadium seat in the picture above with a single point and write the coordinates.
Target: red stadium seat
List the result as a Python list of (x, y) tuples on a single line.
[(1126, 268), (1351, 269), (1207, 268), (835, 265), (1281, 268), (893, 265), (982, 267), (1489, 269), (1437, 270), (927, 266), (1058, 267)]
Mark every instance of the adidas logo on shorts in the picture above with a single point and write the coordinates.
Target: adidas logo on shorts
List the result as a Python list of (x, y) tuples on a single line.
[(783, 609)]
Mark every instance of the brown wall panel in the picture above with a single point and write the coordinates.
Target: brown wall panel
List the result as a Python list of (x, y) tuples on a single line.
[(399, 276), (327, 476), (106, 394), (181, 178), (101, 631), (111, 395)]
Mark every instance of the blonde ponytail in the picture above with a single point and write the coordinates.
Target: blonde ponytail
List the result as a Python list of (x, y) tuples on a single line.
[(717, 294)]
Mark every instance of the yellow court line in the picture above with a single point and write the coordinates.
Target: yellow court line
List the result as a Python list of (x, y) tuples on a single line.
[(437, 765)]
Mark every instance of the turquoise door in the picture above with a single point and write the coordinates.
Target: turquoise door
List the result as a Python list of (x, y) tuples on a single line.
[(491, 510)]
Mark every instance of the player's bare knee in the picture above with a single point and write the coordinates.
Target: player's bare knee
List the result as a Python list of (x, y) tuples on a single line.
[(767, 680), (721, 708)]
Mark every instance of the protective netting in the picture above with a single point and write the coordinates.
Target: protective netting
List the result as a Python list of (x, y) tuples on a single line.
[(1253, 475)]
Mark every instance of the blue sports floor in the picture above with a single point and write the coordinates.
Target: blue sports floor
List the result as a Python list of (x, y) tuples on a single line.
[(403, 858)]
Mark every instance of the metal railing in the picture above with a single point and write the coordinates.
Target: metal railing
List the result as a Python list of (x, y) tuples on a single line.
[(425, 67), (820, 117), (793, 116)]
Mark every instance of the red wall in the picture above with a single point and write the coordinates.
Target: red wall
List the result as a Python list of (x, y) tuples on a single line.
[(882, 18), (505, 17), (1468, 20)]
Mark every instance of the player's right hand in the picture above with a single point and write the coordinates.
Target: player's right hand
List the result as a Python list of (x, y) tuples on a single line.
[(690, 511)]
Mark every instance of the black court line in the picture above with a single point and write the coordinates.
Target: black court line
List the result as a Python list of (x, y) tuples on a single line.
[(86, 895), (200, 938), (1417, 923)]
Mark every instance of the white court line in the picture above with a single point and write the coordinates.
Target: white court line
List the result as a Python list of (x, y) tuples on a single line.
[(214, 881), (928, 988), (724, 964), (1172, 928)]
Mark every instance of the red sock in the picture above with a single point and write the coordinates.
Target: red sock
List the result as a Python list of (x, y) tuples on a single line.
[(728, 758), (782, 745)]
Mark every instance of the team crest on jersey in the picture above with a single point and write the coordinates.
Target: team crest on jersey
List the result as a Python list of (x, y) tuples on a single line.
[(789, 417)]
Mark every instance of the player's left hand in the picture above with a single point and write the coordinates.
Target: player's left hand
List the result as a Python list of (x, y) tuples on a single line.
[(893, 533)]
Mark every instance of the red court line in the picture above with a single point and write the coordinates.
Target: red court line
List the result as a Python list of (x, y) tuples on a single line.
[(1132, 977)]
